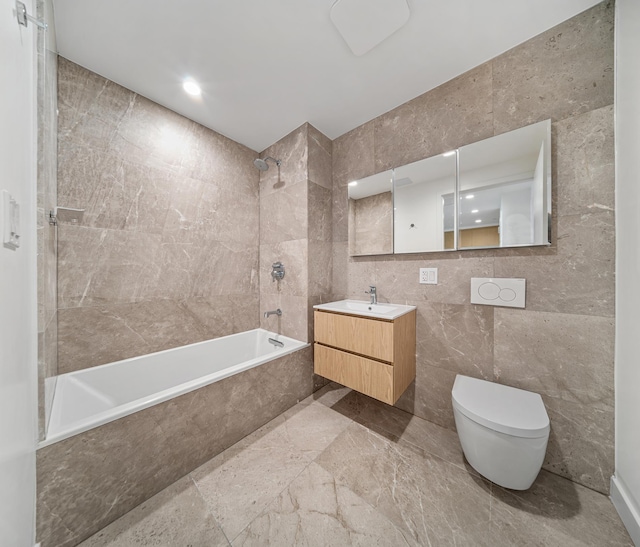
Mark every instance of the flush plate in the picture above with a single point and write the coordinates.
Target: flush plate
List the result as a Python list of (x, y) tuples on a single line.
[(498, 291), (365, 23)]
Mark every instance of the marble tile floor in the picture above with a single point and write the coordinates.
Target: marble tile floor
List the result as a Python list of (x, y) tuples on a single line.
[(342, 469)]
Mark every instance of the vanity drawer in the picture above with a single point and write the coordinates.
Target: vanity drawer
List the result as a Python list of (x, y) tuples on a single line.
[(364, 375), (364, 336)]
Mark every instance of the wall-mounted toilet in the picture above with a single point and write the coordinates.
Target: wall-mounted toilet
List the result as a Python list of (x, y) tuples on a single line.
[(503, 430)]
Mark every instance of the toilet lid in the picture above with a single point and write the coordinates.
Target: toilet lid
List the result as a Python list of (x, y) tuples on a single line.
[(502, 408)]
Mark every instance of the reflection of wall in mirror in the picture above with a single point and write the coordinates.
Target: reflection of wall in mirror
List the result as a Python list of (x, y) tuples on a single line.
[(513, 169), (372, 221), (420, 205)]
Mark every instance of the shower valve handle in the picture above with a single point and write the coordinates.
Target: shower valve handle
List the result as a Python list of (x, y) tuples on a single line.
[(277, 271)]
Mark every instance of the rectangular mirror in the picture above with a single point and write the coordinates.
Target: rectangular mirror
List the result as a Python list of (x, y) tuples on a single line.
[(422, 220), (490, 194), (371, 215), (504, 194)]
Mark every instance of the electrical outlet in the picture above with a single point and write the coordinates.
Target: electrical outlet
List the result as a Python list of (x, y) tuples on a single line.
[(429, 276)]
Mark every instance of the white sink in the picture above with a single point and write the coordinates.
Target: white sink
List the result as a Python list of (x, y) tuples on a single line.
[(362, 307)]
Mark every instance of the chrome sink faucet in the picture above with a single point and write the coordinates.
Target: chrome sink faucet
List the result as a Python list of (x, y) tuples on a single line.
[(277, 312), (372, 293)]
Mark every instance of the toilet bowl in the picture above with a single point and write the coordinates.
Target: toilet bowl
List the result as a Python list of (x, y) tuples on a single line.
[(503, 430)]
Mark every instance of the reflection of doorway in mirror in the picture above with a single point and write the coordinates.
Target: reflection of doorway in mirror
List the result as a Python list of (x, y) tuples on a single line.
[(489, 236), (504, 181), (498, 215), (419, 216)]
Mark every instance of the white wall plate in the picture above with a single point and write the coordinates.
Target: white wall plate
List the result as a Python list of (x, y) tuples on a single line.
[(498, 291), (11, 221), (365, 23)]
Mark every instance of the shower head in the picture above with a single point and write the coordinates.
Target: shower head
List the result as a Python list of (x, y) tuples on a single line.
[(262, 163)]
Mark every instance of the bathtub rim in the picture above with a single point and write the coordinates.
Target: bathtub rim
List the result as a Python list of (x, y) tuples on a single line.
[(107, 416)]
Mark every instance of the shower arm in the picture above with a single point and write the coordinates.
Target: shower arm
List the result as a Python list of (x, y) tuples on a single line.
[(277, 162)]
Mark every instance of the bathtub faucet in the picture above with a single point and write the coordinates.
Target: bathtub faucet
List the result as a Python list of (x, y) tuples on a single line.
[(277, 312), (276, 343)]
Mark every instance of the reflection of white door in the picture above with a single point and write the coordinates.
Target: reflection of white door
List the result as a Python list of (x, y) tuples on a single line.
[(537, 201), (18, 320), (419, 216), (516, 220)]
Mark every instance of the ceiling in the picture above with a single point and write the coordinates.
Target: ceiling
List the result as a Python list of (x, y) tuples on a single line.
[(266, 67)]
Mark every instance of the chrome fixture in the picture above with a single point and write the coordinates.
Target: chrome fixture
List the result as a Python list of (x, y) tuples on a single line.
[(372, 292), (277, 271), (262, 163), (277, 312), (65, 214), (24, 17), (276, 343)]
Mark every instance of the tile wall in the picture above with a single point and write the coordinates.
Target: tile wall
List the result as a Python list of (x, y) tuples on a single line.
[(166, 253), (561, 345), (295, 229)]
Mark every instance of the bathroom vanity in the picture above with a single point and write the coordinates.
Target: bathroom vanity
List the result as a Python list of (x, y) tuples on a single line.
[(370, 348)]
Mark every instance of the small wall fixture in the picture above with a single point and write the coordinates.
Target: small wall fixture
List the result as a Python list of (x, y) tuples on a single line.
[(277, 271), (262, 163), (24, 17)]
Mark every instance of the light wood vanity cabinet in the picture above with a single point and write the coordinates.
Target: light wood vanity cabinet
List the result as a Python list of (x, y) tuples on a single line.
[(373, 356)]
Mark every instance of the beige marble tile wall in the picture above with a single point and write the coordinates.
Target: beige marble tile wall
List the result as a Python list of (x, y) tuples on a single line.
[(166, 253), (320, 232), (90, 480), (47, 200), (561, 345), (284, 226), (295, 229)]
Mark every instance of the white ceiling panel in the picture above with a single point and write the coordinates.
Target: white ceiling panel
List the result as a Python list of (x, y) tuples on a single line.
[(267, 67)]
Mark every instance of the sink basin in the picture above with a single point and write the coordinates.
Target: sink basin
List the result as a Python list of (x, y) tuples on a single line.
[(362, 307)]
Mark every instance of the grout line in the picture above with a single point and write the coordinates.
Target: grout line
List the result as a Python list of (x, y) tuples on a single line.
[(209, 511), (270, 502)]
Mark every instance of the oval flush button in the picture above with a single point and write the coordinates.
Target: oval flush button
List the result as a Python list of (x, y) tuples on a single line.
[(502, 291), (489, 291), (507, 295)]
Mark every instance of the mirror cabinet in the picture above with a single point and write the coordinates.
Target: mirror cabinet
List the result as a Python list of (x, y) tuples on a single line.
[(490, 194)]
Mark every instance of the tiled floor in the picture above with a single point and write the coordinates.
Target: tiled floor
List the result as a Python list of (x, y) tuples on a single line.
[(342, 469)]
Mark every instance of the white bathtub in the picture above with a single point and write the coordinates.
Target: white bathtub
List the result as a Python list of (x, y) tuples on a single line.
[(92, 397)]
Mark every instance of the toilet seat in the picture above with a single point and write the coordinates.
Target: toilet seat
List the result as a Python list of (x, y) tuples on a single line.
[(501, 408)]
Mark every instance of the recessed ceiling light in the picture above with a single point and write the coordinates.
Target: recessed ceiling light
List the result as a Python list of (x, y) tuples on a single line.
[(474, 211), (353, 183), (469, 196), (478, 220), (191, 87), (450, 153)]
